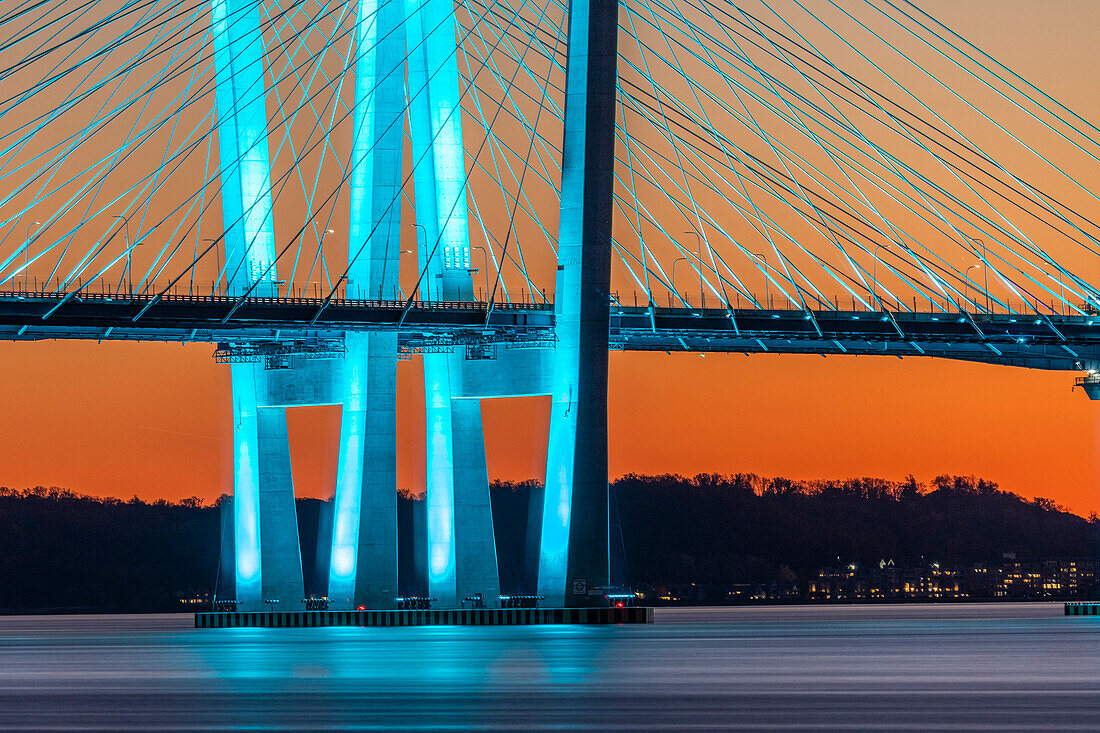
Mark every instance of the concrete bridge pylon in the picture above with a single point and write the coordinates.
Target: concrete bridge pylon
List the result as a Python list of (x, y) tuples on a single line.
[(417, 41)]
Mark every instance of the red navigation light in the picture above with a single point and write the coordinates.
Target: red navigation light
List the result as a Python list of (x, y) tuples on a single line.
[(362, 608), (620, 604)]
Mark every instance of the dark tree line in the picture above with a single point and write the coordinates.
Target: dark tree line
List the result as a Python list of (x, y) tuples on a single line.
[(60, 551)]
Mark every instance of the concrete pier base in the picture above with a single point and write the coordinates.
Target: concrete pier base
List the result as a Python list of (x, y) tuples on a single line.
[(441, 617), (1088, 608)]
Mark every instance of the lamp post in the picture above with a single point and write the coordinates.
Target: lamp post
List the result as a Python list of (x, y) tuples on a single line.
[(767, 284), (129, 254), (678, 259), (485, 262), (27, 252), (699, 255), (402, 252), (985, 259), (874, 271), (218, 259), (427, 257), (966, 276)]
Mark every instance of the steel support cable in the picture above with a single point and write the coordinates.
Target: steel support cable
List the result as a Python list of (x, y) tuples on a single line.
[(16, 150), (287, 124), (765, 136), (684, 208), (100, 53), (634, 196), (710, 126), (1038, 251), (1010, 71), (135, 97), (280, 182), (760, 227), (775, 176), (73, 200), (241, 299), (497, 142), (1015, 103), (994, 89), (519, 186), (1001, 195), (37, 53), (701, 178), (144, 209), (679, 163), (736, 283), (487, 62), (893, 233), (12, 41), (24, 7), (1017, 236), (152, 128), (736, 115), (862, 90), (994, 225), (484, 139), (191, 101), (543, 83), (494, 143), (699, 229)]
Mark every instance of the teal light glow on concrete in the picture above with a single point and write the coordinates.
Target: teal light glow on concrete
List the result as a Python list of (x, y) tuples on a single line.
[(574, 528), (363, 564), (242, 146), (246, 485), (349, 475), (461, 554)]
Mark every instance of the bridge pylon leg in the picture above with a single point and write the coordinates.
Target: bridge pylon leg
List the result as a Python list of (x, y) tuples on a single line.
[(239, 95), (574, 558), (268, 556), (363, 563), (461, 553)]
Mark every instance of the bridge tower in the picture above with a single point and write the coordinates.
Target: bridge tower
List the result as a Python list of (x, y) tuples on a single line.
[(574, 555), (461, 547), (268, 561), (363, 562)]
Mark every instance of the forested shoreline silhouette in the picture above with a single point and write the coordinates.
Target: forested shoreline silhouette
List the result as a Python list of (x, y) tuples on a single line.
[(64, 552)]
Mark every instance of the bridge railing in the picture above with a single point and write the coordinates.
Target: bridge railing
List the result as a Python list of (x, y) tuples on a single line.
[(686, 301)]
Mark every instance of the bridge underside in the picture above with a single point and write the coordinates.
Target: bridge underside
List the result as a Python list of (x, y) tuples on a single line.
[(264, 327)]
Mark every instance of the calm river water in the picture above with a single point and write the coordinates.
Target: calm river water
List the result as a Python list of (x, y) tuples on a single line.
[(917, 668)]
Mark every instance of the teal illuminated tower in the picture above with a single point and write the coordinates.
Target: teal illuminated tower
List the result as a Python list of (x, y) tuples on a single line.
[(417, 42)]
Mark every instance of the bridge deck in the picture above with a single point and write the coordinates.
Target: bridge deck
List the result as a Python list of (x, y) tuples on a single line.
[(1035, 341)]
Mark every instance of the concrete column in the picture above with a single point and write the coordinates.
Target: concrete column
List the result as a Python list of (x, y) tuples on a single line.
[(363, 565), (461, 550), (242, 146), (374, 241), (280, 550), (475, 542), (246, 488), (574, 529)]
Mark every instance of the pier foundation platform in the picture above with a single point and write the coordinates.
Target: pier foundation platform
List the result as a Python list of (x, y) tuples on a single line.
[(430, 617)]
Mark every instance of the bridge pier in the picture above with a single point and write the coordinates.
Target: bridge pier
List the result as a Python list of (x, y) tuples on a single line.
[(363, 560), (574, 545), (461, 549)]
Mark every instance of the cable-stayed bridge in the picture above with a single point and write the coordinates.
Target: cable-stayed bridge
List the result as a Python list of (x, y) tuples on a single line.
[(508, 190)]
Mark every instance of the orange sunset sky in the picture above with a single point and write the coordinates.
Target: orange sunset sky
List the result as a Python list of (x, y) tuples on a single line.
[(154, 420)]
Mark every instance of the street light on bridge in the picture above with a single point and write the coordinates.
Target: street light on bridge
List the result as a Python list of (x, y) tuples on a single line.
[(27, 251), (966, 275)]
